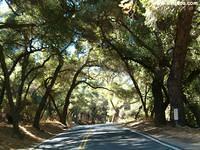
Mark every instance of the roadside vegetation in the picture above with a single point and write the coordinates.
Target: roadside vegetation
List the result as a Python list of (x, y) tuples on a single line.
[(98, 61)]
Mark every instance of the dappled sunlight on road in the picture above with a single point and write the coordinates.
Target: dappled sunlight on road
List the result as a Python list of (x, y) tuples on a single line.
[(106, 137)]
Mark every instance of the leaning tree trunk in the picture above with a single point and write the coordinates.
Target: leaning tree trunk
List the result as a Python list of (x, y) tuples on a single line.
[(66, 107), (56, 108), (20, 90), (178, 61), (74, 84), (136, 87), (14, 113), (42, 104)]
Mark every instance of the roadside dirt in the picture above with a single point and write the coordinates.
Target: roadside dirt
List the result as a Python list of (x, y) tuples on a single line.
[(183, 137), (31, 135)]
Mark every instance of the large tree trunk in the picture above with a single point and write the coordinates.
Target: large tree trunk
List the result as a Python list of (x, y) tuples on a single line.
[(42, 104), (2, 93), (66, 107), (19, 105), (14, 113), (178, 61), (159, 107)]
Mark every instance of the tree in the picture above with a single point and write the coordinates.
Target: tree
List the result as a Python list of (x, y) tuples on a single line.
[(48, 90), (14, 113), (175, 79)]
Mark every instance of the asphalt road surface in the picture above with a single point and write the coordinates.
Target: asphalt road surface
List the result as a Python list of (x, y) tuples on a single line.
[(103, 137)]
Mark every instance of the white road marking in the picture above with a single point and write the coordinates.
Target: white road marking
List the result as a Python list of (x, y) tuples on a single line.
[(154, 139)]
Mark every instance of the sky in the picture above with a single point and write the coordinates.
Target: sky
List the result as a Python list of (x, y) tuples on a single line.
[(3, 7)]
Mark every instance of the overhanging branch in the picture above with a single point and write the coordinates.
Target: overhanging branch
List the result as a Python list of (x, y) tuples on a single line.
[(95, 87), (138, 40), (16, 26)]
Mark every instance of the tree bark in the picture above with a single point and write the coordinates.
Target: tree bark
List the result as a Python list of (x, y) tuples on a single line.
[(66, 105), (14, 113), (136, 87), (125, 61), (2, 93), (69, 93), (19, 106), (42, 104), (159, 107), (137, 114), (175, 82), (56, 108)]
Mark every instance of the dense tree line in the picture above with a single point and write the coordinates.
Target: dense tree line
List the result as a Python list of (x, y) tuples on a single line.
[(54, 54)]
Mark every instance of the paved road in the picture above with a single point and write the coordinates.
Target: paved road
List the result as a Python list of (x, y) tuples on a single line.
[(103, 137)]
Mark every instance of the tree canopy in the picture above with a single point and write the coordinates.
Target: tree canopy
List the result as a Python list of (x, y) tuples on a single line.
[(93, 61)]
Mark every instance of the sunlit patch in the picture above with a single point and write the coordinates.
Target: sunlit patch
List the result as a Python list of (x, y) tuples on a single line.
[(30, 134), (57, 139), (45, 146)]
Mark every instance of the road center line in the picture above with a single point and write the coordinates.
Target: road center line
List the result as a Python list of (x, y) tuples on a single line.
[(85, 140)]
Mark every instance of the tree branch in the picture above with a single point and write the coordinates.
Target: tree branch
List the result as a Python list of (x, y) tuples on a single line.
[(95, 87), (16, 26), (38, 67), (123, 57), (138, 40), (12, 9)]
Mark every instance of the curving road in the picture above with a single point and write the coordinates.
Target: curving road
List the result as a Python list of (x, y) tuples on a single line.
[(103, 137)]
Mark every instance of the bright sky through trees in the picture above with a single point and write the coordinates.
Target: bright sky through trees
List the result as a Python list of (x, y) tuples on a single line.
[(3, 7)]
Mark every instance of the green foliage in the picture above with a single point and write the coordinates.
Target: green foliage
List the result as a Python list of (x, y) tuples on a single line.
[(103, 35)]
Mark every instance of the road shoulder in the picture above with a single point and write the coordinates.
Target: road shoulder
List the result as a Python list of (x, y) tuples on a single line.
[(184, 137)]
